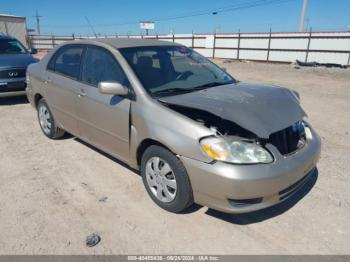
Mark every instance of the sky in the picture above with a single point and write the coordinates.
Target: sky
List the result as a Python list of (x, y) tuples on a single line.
[(65, 17)]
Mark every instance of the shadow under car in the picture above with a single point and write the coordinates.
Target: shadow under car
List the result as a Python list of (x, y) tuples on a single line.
[(13, 100)]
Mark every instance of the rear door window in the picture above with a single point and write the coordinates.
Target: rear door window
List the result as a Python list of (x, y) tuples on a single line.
[(99, 66), (67, 61)]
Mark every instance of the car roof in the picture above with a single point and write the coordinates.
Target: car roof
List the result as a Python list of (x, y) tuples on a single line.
[(6, 37), (128, 42)]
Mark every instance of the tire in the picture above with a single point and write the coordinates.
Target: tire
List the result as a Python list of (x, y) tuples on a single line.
[(48, 126), (176, 195)]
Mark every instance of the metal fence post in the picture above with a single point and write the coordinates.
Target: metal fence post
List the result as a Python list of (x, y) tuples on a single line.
[(214, 44), (53, 41), (268, 47), (308, 46), (192, 44), (239, 43)]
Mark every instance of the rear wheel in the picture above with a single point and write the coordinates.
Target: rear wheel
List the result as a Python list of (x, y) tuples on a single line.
[(166, 180), (47, 122)]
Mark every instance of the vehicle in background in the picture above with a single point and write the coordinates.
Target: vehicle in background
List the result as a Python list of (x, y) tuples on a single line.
[(14, 60), (195, 133)]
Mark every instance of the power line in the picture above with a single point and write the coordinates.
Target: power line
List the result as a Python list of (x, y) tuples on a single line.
[(222, 10), (92, 28), (240, 6)]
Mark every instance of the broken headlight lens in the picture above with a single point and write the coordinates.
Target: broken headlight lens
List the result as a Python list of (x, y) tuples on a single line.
[(237, 152)]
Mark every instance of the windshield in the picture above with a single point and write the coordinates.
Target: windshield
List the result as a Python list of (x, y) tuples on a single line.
[(11, 46), (170, 70)]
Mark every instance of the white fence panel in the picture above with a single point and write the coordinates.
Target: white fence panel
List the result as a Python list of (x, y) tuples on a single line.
[(252, 55), (135, 36), (254, 43), (166, 39), (227, 42), (205, 52), (199, 42), (226, 53), (337, 58), (282, 56), (323, 47), (330, 44), (186, 42), (292, 43)]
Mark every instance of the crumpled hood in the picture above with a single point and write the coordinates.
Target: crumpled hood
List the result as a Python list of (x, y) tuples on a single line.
[(260, 109), (16, 60)]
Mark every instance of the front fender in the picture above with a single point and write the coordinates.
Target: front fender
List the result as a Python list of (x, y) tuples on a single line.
[(152, 120)]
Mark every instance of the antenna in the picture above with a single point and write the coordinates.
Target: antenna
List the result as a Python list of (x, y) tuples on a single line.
[(92, 28)]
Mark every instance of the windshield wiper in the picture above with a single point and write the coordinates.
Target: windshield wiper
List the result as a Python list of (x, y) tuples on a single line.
[(172, 91), (178, 90), (211, 84)]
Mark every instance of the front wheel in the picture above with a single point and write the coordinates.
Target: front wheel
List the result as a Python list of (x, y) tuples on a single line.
[(166, 180), (47, 122)]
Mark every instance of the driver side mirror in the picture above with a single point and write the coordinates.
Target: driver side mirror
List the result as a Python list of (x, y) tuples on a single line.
[(33, 51), (112, 88)]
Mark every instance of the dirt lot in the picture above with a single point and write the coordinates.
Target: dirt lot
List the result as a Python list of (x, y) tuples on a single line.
[(51, 192)]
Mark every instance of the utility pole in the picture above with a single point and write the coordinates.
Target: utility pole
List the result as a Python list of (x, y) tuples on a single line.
[(302, 17), (37, 17)]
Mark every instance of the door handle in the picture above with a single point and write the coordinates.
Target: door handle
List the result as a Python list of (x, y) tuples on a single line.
[(47, 81), (82, 93)]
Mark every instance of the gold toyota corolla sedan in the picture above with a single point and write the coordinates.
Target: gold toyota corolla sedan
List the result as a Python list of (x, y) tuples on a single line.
[(195, 133)]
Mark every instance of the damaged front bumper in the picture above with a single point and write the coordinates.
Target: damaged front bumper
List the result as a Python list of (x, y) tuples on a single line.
[(244, 188)]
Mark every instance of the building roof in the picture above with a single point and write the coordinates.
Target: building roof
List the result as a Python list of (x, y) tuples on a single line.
[(14, 16), (129, 42)]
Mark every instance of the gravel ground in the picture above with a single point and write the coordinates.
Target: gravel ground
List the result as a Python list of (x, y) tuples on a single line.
[(53, 194)]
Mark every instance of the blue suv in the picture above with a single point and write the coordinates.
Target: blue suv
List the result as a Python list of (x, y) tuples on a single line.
[(14, 59)]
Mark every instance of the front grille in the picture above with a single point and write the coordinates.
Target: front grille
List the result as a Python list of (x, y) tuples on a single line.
[(245, 202), (12, 73), (13, 87), (290, 139)]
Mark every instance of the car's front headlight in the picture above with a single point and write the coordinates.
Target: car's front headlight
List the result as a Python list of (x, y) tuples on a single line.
[(235, 151)]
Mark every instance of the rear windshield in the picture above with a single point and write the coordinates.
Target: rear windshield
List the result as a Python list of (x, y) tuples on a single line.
[(11, 46)]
